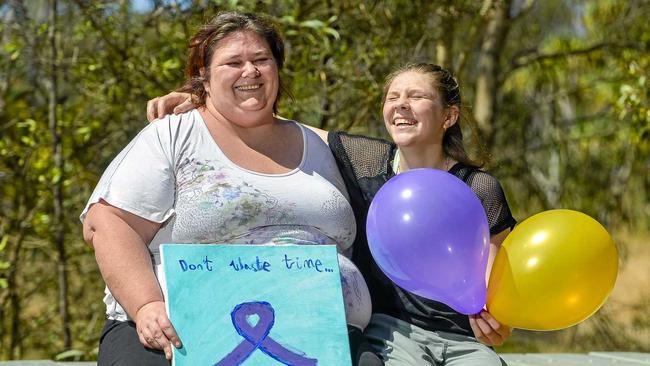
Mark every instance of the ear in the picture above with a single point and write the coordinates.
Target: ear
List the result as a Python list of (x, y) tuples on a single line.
[(206, 84), (453, 112)]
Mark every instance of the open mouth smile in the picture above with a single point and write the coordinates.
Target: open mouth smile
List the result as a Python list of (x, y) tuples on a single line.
[(248, 87), (404, 122)]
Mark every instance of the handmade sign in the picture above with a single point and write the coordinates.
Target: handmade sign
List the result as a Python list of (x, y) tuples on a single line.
[(255, 305)]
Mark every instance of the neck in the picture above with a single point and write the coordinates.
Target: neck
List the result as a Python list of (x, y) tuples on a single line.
[(252, 133), (431, 156)]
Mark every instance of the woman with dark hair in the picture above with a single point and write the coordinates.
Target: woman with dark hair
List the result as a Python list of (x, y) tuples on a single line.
[(421, 110), (228, 171)]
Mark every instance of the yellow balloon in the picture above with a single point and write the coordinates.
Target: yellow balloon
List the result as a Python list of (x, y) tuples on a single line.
[(554, 270)]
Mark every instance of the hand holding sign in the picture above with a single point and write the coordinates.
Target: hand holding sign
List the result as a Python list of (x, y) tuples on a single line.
[(154, 328), (255, 304)]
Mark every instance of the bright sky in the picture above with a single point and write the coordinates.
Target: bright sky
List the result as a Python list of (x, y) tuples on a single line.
[(141, 5)]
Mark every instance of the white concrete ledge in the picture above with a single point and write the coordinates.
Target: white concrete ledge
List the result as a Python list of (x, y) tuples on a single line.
[(577, 359), (45, 363), (513, 359)]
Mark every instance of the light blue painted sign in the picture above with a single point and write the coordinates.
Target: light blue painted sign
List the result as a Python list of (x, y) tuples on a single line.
[(255, 305)]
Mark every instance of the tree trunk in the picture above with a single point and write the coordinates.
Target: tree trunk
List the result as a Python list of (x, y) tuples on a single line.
[(15, 346), (326, 80), (445, 41), (487, 88), (58, 233), (12, 301), (31, 58)]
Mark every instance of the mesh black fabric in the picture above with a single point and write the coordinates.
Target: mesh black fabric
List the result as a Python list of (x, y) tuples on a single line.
[(489, 191), (365, 165)]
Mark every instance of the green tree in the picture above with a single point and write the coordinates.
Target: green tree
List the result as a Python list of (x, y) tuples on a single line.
[(556, 90)]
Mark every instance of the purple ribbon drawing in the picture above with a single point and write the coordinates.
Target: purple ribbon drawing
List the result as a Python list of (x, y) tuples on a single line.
[(257, 336)]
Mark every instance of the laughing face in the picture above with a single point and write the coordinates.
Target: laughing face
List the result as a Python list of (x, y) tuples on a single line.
[(413, 111), (243, 80)]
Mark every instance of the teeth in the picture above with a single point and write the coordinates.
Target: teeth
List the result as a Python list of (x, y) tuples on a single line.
[(248, 87), (403, 121)]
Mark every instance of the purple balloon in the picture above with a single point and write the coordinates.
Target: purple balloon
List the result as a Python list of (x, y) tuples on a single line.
[(428, 232)]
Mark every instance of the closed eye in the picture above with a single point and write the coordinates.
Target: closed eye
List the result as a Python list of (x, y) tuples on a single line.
[(262, 60)]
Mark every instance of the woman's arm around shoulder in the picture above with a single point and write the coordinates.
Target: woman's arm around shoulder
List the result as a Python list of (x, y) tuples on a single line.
[(173, 102)]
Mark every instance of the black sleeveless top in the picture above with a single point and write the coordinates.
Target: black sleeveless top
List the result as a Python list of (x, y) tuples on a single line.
[(365, 164)]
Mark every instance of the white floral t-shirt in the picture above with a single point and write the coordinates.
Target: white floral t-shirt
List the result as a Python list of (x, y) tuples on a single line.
[(174, 173)]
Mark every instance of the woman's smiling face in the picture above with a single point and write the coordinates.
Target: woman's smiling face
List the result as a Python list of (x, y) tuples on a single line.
[(243, 77), (413, 111)]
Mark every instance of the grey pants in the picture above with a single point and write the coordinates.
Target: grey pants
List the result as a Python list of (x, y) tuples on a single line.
[(402, 344)]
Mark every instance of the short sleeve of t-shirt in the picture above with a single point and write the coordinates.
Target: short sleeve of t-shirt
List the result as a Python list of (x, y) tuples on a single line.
[(140, 179), (489, 191)]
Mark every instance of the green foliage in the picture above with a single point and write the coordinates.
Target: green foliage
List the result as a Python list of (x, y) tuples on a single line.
[(571, 115), (4, 265)]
